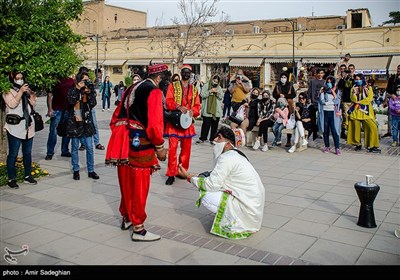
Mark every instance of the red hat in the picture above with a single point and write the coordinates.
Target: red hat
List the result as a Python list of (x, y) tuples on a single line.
[(186, 66), (157, 68)]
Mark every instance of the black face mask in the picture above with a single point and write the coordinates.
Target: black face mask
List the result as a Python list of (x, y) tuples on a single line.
[(253, 96), (265, 100)]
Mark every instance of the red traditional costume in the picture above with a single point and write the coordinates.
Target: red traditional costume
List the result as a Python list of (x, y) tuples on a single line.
[(188, 97), (140, 112)]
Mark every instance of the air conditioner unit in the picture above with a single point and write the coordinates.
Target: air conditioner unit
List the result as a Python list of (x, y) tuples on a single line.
[(340, 26), (183, 34), (229, 32), (256, 29)]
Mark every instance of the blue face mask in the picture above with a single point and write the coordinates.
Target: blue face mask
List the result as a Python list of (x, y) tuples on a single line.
[(329, 85), (359, 83)]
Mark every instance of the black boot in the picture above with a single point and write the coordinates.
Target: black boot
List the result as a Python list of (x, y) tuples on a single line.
[(170, 180)]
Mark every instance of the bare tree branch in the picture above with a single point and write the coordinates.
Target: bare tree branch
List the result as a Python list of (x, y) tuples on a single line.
[(192, 33)]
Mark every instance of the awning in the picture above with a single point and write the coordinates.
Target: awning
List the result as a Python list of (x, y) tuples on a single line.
[(138, 61), (278, 60), (321, 60), (370, 65), (215, 60), (246, 62), (393, 64), (91, 64), (114, 62)]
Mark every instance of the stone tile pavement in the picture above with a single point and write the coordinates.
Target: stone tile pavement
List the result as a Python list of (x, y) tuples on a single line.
[(310, 216)]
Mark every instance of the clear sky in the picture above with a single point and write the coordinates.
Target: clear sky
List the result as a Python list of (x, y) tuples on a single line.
[(243, 10)]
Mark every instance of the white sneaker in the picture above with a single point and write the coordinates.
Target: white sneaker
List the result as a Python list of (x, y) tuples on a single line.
[(256, 145), (102, 110), (265, 148), (292, 149), (304, 142), (108, 109), (145, 238)]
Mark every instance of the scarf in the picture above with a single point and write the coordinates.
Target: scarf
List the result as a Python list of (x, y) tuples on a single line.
[(25, 103), (178, 93)]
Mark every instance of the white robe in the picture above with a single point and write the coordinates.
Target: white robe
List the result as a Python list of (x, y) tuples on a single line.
[(241, 207)]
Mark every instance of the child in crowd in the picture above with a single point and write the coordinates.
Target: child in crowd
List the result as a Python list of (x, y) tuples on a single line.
[(281, 119)]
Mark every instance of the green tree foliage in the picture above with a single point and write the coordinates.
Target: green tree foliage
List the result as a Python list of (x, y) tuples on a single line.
[(36, 38), (395, 18)]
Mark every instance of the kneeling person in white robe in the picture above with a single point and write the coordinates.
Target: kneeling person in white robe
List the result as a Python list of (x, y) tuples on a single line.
[(232, 190)]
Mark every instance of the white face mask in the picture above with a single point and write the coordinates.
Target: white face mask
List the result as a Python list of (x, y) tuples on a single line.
[(19, 82), (398, 93), (283, 80), (217, 149)]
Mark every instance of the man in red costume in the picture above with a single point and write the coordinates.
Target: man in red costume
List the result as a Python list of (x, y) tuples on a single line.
[(141, 110), (182, 96)]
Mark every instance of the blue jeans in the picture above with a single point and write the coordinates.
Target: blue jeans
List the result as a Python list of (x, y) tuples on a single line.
[(89, 153), (277, 130), (329, 123), (395, 128), (96, 137), (52, 138), (13, 147), (106, 99)]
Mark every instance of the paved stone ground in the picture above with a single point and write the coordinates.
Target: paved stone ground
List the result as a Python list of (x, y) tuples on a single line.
[(310, 215)]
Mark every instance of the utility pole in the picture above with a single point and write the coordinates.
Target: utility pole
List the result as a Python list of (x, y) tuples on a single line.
[(292, 22)]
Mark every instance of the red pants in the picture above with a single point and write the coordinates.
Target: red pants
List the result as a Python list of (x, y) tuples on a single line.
[(134, 185), (184, 156)]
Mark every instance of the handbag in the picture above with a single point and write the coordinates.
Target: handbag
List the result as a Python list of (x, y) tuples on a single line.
[(62, 124), (13, 119), (291, 124), (37, 118)]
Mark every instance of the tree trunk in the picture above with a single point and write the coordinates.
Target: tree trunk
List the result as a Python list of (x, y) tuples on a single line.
[(3, 136)]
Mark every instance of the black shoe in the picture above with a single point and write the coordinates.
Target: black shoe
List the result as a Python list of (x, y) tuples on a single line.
[(374, 150), (30, 180), (126, 224), (180, 177), (76, 175), (170, 180), (93, 175), (358, 148), (387, 134), (48, 157), (82, 148), (13, 184), (66, 155)]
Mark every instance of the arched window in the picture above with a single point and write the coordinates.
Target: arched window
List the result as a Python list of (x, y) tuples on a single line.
[(94, 27), (86, 25)]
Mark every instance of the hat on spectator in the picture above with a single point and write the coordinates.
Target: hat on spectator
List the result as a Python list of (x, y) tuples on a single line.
[(186, 66), (157, 68)]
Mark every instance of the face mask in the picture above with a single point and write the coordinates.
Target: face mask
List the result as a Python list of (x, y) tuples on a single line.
[(217, 149), (398, 93), (283, 80), (329, 85), (214, 85), (19, 82), (265, 100), (281, 105), (359, 83), (253, 96)]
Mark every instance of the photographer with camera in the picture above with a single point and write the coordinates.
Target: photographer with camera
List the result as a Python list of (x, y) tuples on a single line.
[(81, 100), (20, 127), (239, 87), (211, 108)]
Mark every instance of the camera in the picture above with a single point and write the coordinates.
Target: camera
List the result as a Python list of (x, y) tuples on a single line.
[(88, 83)]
